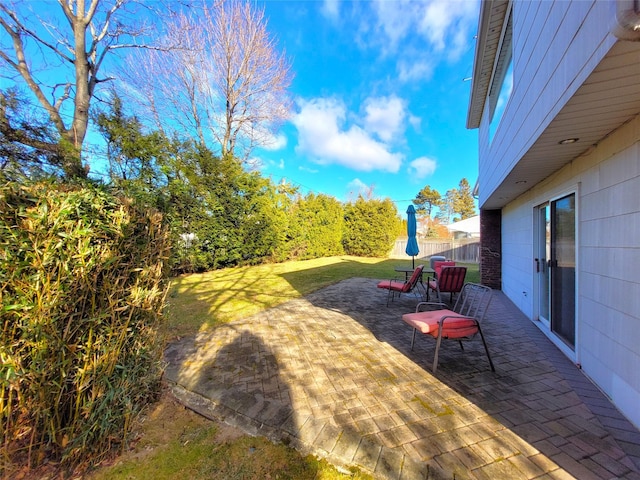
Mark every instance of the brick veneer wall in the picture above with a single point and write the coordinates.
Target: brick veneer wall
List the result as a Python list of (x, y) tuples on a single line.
[(491, 248)]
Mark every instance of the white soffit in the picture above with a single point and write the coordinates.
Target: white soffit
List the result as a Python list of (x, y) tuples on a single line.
[(609, 98), (492, 18)]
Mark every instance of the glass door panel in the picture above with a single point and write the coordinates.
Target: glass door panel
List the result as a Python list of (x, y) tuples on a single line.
[(563, 268), (542, 266)]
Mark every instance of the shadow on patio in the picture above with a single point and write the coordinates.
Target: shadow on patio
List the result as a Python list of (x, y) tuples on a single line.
[(333, 374)]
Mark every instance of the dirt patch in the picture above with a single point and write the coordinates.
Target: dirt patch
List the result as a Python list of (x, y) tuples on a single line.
[(227, 433)]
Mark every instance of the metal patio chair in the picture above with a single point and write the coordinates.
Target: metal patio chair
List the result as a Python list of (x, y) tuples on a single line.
[(462, 323), (398, 286), (448, 279)]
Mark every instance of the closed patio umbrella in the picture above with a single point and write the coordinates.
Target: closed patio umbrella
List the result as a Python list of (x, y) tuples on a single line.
[(412, 244)]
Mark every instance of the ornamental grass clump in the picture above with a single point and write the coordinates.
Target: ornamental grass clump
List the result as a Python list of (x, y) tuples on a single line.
[(82, 287)]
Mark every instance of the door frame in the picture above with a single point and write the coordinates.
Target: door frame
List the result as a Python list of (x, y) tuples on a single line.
[(545, 327), (538, 245)]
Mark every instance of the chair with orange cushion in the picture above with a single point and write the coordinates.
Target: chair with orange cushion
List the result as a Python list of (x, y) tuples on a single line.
[(402, 286), (448, 280), (460, 323), (440, 264), (437, 266)]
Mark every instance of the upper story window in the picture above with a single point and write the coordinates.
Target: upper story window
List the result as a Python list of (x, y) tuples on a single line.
[(502, 84)]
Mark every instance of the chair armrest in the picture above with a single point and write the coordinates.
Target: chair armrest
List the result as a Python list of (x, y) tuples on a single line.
[(431, 304), (456, 317)]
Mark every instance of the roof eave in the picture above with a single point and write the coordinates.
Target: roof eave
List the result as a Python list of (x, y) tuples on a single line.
[(490, 11)]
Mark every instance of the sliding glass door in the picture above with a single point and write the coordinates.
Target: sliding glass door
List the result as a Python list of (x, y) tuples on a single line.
[(563, 268), (556, 267)]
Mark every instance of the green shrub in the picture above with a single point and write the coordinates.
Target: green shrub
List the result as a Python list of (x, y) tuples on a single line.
[(370, 227), (82, 286), (315, 227)]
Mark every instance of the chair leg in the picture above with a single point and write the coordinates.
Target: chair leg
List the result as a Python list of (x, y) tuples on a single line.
[(486, 349), (435, 357), (413, 338)]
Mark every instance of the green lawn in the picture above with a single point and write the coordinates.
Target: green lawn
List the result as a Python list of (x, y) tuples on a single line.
[(202, 301), (175, 442)]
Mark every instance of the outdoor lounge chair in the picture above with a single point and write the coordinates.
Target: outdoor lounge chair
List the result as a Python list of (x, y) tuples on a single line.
[(448, 280), (438, 265), (461, 323), (400, 286)]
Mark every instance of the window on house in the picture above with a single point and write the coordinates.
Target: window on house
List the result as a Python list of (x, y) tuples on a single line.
[(502, 84)]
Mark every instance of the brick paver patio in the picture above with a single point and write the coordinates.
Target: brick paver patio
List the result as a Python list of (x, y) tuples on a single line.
[(333, 374)]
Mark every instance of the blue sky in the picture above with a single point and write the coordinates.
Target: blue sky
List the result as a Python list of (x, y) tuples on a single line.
[(380, 97)]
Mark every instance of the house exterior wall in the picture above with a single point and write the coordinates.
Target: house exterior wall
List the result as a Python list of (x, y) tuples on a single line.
[(556, 45), (607, 182)]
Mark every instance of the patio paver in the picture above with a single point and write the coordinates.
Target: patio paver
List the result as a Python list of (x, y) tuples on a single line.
[(333, 374)]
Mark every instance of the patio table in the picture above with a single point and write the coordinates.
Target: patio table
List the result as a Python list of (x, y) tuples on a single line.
[(409, 270)]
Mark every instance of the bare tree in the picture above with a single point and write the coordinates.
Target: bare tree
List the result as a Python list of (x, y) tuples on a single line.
[(227, 84), (58, 54)]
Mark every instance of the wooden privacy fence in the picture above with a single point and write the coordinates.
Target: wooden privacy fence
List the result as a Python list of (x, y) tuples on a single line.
[(466, 250)]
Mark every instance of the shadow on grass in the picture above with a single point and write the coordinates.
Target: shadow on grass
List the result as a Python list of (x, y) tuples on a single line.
[(202, 301)]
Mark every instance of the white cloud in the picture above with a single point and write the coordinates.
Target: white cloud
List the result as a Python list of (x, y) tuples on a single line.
[(357, 187), (325, 137), (436, 19), (275, 142), (395, 18), (422, 167), (410, 70), (331, 8), (439, 22), (385, 116), (430, 29), (416, 122), (447, 24)]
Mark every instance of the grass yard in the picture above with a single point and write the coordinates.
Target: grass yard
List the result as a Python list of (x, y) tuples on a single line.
[(202, 301), (172, 441)]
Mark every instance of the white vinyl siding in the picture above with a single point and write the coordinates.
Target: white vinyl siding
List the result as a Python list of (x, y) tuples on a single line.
[(556, 45), (609, 260)]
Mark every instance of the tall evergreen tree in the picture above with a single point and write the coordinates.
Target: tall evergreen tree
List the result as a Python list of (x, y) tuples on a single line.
[(463, 202), (426, 200)]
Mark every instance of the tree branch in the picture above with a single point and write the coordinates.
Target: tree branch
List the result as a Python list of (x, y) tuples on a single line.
[(23, 69), (20, 27)]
